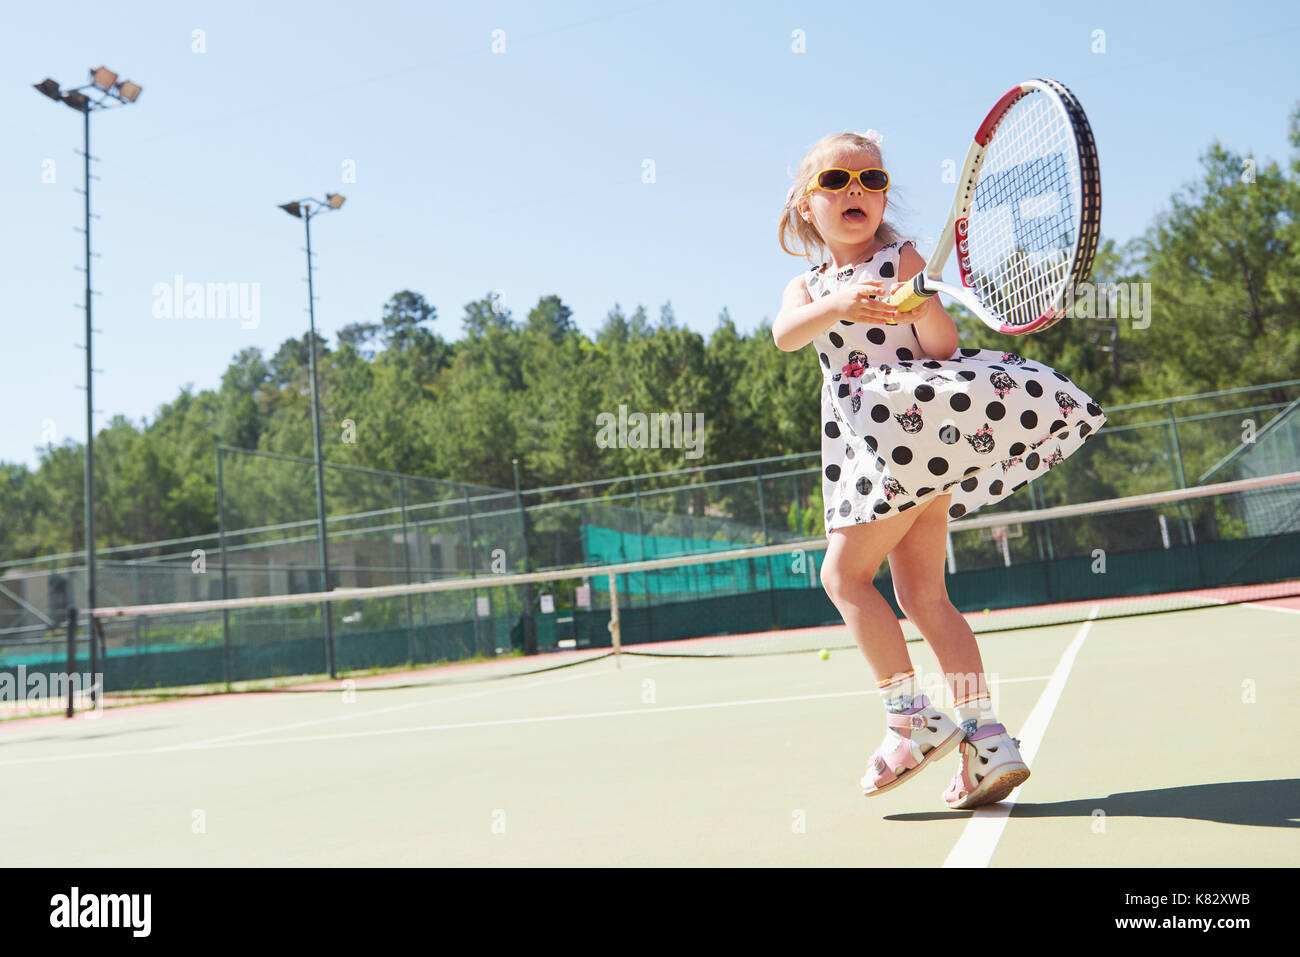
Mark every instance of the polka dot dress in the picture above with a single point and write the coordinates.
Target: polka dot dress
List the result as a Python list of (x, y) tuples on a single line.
[(899, 428)]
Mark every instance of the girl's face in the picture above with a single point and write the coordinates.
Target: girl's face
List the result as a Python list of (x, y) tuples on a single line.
[(832, 213)]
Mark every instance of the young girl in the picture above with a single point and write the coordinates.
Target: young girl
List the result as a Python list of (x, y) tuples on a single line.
[(914, 432)]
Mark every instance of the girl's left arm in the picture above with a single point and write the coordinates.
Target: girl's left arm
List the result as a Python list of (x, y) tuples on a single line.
[(935, 330)]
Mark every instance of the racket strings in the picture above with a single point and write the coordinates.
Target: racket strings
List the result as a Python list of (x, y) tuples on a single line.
[(1025, 213)]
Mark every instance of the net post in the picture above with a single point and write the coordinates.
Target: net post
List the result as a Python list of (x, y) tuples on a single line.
[(94, 662), (767, 560), (225, 571), (406, 568), (96, 681), (614, 635), (72, 656)]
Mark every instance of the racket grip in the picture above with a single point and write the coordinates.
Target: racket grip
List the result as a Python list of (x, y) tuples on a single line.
[(912, 295)]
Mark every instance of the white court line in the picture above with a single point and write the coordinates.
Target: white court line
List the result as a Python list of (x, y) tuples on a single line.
[(984, 829), (545, 683), (229, 741), (1223, 602), (648, 709), (1287, 611)]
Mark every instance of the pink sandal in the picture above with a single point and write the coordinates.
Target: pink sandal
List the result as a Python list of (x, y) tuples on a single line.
[(990, 769), (919, 735)]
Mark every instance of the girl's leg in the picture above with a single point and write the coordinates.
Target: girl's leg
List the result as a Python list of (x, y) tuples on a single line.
[(915, 733), (853, 556), (916, 565)]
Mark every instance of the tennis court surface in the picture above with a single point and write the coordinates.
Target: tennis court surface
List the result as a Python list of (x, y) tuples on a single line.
[(1159, 740)]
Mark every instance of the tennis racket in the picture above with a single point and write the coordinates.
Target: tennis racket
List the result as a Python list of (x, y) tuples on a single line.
[(1026, 216)]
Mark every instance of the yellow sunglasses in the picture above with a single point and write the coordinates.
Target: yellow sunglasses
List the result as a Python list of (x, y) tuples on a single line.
[(834, 180)]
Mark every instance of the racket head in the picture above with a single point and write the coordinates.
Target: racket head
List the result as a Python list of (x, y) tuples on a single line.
[(1032, 221)]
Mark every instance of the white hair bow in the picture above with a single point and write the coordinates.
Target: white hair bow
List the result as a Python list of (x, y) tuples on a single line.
[(871, 135)]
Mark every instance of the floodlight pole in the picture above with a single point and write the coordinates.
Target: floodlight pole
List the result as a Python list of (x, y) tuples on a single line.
[(305, 209), (327, 610), (111, 93), (90, 431)]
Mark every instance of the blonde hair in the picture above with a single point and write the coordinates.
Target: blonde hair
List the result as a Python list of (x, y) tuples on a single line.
[(813, 162)]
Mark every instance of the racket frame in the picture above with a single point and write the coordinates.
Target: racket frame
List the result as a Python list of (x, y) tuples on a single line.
[(929, 280)]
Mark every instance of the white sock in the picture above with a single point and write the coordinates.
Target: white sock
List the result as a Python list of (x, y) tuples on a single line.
[(897, 691)]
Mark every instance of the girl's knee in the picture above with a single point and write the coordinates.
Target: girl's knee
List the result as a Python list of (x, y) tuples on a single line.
[(920, 602)]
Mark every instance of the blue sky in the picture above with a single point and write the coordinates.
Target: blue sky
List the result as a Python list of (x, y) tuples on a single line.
[(521, 171)]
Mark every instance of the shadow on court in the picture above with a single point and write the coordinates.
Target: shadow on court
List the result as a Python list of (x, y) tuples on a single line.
[(85, 737), (1254, 803)]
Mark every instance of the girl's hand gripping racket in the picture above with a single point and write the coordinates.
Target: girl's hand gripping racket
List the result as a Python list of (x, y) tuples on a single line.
[(1026, 216)]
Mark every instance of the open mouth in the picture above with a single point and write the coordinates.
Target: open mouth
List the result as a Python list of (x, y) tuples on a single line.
[(855, 215)]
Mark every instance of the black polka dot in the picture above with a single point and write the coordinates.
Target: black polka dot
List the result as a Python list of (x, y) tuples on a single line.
[(923, 393), (845, 388), (937, 465), (880, 464), (969, 353), (845, 508), (880, 413), (1093, 408), (970, 485), (863, 486), (905, 506), (881, 508), (1058, 424), (931, 364), (995, 410), (837, 340), (966, 375), (826, 362), (1028, 418), (1020, 486), (832, 430), (845, 322), (957, 511), (960, 401), (999, 368), (950, 434), (1061, 377), (876, 336), (1031, 463), (904, 354), (1084, 430), (972, 470), (923, 492), (833, 472), (902, 455), (848, 452), (995, 487), (1033, 388), (1017, 448), (830, 512), (886, 270), (870, 442)]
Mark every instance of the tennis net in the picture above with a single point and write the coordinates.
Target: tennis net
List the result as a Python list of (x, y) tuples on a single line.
[(1165, 551)]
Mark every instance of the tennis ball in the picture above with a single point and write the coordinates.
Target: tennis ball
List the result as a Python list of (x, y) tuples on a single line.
[(986, 611), (825, 654)]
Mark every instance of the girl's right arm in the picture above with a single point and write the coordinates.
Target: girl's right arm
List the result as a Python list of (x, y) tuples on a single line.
[(801, 320)]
